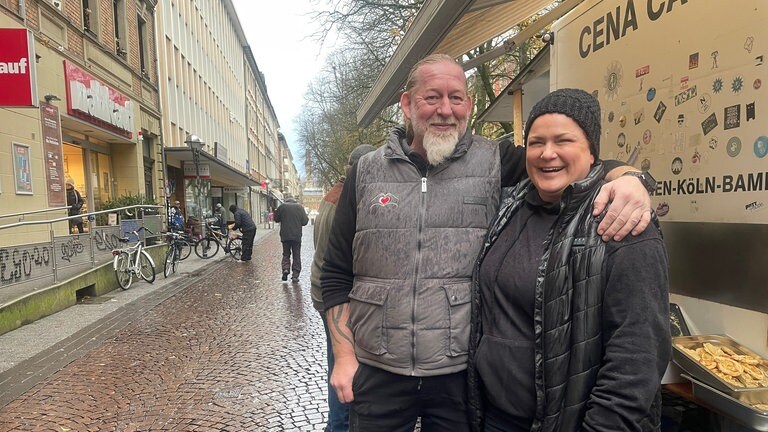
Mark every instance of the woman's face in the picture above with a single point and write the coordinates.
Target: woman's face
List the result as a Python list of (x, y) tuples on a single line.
[(557, 154)]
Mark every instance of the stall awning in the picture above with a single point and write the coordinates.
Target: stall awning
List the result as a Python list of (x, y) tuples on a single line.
[(221, 173), (453, 27)]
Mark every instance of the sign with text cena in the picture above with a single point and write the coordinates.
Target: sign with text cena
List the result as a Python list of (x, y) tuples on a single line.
[(95, 102), (18, 82)]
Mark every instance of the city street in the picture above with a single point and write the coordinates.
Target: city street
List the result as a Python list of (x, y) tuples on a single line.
[(226, 347)]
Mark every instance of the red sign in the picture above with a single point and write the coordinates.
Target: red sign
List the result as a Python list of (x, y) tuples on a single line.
[(95, 102), (18, 83)]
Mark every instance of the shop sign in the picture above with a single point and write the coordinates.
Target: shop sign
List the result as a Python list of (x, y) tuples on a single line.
[(95, 102), (220, 152), (53, 155), (18, 80), (190, 171), (236, 189), (22, 169)]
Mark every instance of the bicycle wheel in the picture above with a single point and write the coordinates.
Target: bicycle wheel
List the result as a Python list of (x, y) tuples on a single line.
[(185, 249), (206, 248), (236, 248), (146, 267), (123, 272), (170, 260)]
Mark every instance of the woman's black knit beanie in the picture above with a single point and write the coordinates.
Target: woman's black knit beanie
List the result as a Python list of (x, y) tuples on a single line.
[(577, 104)]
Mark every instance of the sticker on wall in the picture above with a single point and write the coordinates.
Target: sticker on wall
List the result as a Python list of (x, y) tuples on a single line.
[(621, 141), (645, 70), (613, 80), (759, 60), (684, 83), (750, 111), (754, 205), (611, 116), (662, 209), (713, 142), (693, 61), (705, 102), (709, 124), (714, 59), (737, 85), (647, 136), (717, 85), (623, 121), (651, 94), (639, 116), (757, 83), (696, 157), (681, 120), (645, 165), (677, 165), (685, 96), (749, 44), (733, 148), (761, 146), (660, 110), (732, 117), (694, 206)]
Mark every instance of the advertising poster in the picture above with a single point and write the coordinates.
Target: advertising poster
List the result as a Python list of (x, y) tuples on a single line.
[(18, 80), (53, 155), (22, 172)]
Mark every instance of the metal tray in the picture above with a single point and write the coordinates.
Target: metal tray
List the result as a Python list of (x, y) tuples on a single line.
[(698, 371), (739, 410)]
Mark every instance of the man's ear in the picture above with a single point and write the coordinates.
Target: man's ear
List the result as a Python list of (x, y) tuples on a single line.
[(405, 104)]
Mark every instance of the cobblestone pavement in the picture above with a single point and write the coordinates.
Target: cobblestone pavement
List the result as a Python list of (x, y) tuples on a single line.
[(236, 350)]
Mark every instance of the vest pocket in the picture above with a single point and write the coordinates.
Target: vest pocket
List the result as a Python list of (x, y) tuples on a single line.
[(367, 317), (475, 212), (458, 296)]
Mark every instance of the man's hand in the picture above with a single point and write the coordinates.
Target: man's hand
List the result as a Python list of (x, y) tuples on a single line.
[(344, 370), (344, 359), (629, 210)]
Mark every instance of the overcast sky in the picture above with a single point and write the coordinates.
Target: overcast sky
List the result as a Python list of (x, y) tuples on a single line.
[(279, 35)]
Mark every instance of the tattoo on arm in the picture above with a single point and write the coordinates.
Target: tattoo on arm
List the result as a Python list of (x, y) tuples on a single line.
[(340, 328)]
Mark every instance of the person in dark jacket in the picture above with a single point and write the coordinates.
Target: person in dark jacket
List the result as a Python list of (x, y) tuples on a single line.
[(396, 276), (245, 224), (569, 333), (75, 203), (292, 217)]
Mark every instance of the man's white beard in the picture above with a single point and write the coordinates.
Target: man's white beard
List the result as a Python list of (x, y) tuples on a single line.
[(439, 146)]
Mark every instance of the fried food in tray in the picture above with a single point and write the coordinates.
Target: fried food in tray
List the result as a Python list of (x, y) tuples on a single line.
[(736, 366)]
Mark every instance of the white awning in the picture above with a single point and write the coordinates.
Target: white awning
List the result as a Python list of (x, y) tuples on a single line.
[(454, 27)]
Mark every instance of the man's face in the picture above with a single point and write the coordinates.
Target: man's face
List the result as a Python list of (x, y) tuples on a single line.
[(438, 108)]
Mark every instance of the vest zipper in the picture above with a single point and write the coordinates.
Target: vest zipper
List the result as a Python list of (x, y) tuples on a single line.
[(422, 204)]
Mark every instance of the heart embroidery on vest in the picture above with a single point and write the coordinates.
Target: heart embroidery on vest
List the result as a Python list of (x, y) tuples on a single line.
[(384, 200)]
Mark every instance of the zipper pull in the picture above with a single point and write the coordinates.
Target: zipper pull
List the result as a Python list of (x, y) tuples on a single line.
[(423, 185)]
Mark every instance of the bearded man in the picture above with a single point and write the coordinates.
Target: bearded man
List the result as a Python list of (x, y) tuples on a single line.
[(409, 224)]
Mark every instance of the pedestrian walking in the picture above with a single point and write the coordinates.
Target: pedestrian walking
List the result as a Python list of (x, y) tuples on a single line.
[(271, 219), (409, 224), (338, 413), (75, 203), (291, 217), (245, 224), (221, 218)]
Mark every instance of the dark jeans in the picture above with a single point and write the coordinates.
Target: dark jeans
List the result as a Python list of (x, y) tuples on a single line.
[(76, 223), (292, 247), (389, 402), (338, 413), (248, 237)]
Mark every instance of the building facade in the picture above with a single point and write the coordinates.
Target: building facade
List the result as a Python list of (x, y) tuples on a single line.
[(93, 116)]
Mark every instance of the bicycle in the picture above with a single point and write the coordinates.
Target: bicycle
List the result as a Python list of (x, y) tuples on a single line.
[(184, 241), (209, 245), (133, 260), (176, 245)]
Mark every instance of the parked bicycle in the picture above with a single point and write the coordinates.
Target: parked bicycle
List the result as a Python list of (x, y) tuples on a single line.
[(185, 242), (176, 246), (133, 261), (209, 245)]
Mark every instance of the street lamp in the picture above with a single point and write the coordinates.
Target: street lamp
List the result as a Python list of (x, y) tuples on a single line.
[(196, 144), (269, 209)]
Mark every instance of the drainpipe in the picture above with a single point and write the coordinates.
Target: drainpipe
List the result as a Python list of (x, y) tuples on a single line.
[(23, 12)]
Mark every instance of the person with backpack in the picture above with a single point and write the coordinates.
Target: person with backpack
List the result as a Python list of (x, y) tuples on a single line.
[(75, 203)]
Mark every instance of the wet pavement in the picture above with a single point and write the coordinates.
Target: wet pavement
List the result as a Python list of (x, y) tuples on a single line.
[(232, 348)]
